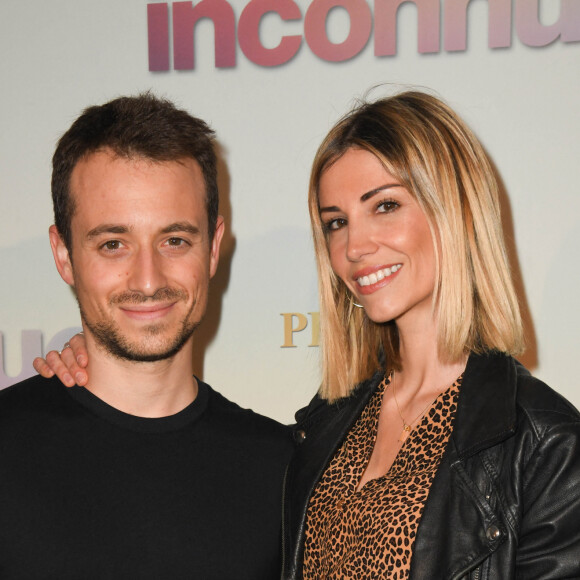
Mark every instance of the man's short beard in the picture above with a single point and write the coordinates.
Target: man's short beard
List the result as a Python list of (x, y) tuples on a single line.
[(108, 336)]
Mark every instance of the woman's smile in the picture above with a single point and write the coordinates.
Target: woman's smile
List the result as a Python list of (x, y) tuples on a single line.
[(371, 279)]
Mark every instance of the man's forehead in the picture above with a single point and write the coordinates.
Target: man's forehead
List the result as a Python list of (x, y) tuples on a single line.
[(103, 169), (124, 192)]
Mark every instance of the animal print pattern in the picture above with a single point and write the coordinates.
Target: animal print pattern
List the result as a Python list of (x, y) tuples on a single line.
[(369, 534)]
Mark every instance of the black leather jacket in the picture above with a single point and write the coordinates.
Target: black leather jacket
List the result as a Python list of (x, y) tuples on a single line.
[(505, 502)]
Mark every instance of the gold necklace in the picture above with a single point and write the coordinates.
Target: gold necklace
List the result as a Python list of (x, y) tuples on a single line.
[(406, 426)]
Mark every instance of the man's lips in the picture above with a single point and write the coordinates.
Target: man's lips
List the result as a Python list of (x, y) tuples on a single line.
[(146, 311), (371, 279)]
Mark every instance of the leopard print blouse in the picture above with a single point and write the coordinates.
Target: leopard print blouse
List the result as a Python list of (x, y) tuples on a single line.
[(369, 534)]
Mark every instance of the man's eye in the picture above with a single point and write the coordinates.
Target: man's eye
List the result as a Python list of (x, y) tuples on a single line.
[(176, 242), (111, 245)]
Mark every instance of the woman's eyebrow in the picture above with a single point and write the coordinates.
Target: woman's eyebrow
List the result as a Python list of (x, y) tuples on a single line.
[(364, 197)]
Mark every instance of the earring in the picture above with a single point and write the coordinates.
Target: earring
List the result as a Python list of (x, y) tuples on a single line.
[(350, 298)]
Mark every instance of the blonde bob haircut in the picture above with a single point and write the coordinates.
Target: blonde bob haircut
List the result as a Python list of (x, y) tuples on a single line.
[(436, 157)]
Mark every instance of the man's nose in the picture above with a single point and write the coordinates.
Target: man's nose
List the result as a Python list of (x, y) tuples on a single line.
[(147, 272)]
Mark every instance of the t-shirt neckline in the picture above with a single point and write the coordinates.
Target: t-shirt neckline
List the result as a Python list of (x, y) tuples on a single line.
[(179, 420)]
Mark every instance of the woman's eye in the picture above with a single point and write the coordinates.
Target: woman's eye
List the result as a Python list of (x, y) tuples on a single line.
[(334, 224), (387, 205)]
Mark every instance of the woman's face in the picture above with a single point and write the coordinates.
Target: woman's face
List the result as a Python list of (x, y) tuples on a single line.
[(379, 239)]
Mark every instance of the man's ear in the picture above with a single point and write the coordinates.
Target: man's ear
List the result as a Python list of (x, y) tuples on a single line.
[(61, 256), (215, 246)]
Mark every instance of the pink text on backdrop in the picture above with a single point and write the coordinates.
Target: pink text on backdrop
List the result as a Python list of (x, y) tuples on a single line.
[(382, 22)]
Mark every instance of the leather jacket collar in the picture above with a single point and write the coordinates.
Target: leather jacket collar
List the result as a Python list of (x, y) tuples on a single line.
[(488, 390)]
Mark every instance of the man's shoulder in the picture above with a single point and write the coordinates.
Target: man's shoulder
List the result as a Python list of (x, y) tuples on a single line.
[(30, 393), (234, 417), (32, 407)]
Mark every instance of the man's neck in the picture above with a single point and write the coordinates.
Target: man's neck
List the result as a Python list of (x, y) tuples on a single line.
[(144, 389)]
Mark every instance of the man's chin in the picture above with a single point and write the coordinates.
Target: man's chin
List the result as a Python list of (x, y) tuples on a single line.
[(142, 356), (143, 352), (153, 343), (152, 348)]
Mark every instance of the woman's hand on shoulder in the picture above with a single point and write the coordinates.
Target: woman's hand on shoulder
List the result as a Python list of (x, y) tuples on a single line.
[(68, 365)]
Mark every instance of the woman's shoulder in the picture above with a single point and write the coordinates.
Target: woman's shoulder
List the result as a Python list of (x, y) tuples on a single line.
[(542, 406)]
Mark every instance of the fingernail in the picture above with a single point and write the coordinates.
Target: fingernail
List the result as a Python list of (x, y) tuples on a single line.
[(68, 380), (81, 359), (80, 377)]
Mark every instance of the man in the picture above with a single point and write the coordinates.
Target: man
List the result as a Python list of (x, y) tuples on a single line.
[(147, 472)]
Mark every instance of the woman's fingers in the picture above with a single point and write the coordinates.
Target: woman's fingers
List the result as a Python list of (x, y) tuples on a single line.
[(68, 365), (42, 368), (55, 365), (78, 345)]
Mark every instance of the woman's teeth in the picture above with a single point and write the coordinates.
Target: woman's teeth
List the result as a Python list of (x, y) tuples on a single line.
[(378, 275)]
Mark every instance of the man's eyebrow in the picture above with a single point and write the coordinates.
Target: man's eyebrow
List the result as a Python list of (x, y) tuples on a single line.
[(185, 227), (107, 229), (364, 197)]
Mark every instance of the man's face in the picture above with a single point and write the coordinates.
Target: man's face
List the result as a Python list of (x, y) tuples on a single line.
[(141, 258)]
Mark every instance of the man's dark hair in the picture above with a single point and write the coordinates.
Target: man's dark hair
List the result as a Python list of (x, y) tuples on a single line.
[(141, 126)]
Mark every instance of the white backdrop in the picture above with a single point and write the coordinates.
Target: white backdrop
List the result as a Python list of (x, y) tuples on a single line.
[(521, 100)]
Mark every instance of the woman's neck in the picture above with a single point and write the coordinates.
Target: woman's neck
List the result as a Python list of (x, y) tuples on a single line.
[(424, 372)]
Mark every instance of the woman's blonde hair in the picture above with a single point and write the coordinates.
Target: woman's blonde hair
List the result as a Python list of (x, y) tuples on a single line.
[(435, 156)]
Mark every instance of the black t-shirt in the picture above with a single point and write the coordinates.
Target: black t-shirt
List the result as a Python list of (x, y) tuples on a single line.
[(87, 491)]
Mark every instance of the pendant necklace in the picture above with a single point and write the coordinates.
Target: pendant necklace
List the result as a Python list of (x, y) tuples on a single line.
[(406, 426)]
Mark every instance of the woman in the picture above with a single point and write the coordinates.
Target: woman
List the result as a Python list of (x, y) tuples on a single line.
[(429, 452), (450, 460)]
